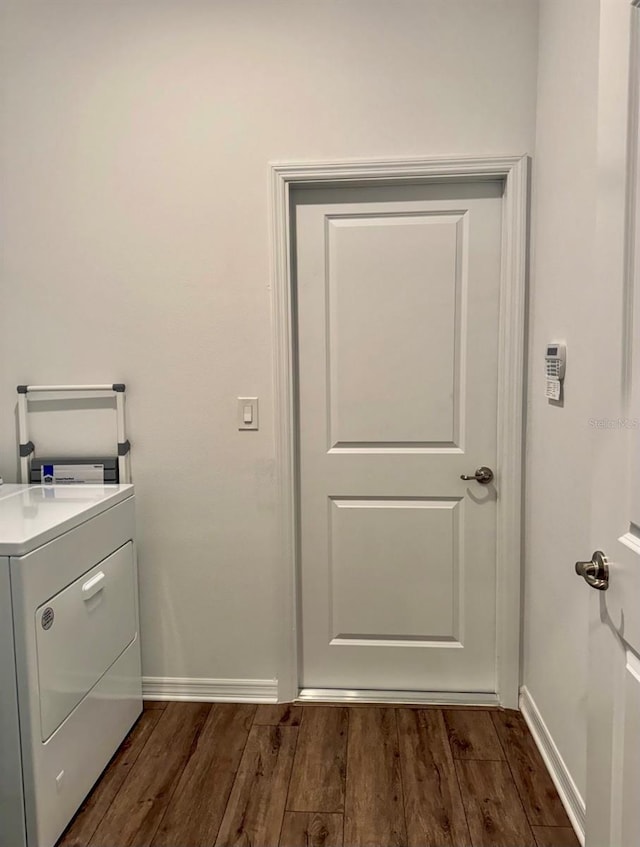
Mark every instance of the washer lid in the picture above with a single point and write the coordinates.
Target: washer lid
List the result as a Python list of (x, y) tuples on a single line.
[(32, 515)]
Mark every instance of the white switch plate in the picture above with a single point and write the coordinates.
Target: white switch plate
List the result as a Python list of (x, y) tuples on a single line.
[(247, 407)]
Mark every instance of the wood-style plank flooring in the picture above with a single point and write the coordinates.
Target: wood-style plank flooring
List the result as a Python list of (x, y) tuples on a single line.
[(227, 775)]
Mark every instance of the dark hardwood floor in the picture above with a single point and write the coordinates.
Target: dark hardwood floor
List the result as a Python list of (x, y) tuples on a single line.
[(221, 775)]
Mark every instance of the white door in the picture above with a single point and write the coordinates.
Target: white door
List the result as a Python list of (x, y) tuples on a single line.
[(613, 753), (397, 294)]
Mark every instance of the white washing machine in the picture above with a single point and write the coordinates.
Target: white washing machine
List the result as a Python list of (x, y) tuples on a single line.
[(70, 681)]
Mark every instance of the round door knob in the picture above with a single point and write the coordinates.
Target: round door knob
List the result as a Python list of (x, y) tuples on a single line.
[(596, 572), (483, 475)]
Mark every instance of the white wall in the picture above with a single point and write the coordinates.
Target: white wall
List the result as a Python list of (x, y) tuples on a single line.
[(563, 307), (135, 141)]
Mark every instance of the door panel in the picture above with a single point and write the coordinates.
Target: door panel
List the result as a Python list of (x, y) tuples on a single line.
[(631, 760), (397, 298), (613, 765), (377, 336), (392, 539)]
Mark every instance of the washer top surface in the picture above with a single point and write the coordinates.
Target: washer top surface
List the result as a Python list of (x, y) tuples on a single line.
[(32, 515), (9, 489)]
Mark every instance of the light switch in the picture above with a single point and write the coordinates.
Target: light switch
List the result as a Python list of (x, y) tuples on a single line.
[(247, 413)]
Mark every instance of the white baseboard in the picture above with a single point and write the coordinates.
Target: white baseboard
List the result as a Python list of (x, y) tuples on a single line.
[(567, 789), (210, 690)]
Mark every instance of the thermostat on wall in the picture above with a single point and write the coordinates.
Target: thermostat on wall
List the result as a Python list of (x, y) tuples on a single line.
[(554, 368)]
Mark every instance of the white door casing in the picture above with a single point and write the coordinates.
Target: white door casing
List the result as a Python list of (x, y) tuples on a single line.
[(514, 173), (613, 760), (397, 299)]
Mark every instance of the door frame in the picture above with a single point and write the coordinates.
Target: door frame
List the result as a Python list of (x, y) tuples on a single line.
[(514, 171)]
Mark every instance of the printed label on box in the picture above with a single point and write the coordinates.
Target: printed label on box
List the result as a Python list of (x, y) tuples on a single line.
[(72, 474)]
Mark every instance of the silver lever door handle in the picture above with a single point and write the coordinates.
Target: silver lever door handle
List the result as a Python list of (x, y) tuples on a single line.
[(596, 572), (483, 475)]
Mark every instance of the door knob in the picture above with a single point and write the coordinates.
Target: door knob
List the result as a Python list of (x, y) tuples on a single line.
[(483, 475), (595, 572)]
